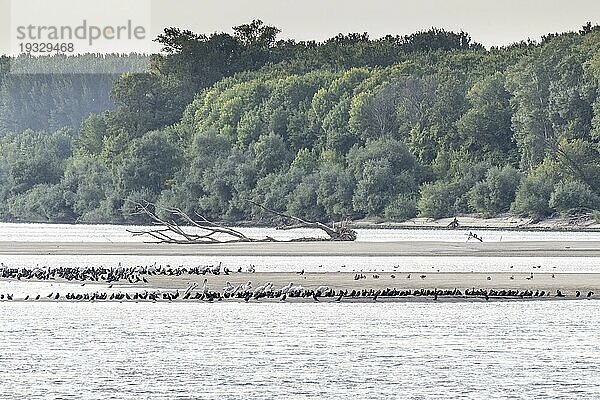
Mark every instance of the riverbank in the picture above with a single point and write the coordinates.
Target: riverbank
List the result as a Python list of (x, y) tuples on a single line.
[(584, 223), (506, 222), (415, 286)]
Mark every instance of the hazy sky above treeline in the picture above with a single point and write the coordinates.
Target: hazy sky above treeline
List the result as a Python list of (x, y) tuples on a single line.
[(490, 22)]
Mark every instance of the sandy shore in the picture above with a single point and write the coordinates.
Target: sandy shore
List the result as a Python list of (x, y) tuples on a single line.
[(344, 280), (506, 222), (568, 284), (364, 249)]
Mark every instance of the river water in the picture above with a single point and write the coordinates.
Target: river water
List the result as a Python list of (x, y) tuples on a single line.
[(300, 351), (497, 350)]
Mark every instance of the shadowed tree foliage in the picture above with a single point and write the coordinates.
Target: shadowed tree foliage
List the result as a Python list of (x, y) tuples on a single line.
[(428, 124)]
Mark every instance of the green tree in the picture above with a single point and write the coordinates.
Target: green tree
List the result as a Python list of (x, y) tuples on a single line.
[(533, 195), (485, 129), (335, 191), (150, 163), (496, 193), (270, 154), (437, 199), (90, 186), (572, 196)]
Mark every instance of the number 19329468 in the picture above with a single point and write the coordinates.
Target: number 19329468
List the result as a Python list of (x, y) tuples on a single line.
[(48, 47)]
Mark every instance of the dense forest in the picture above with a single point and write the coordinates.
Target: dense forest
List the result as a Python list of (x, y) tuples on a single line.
[(430, 124)]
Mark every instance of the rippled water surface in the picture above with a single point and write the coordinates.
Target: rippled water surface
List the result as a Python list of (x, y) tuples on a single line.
[(300, 351), (520, 350)]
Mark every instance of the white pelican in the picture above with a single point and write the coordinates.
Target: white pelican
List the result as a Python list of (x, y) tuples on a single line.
[(264, 288), (260, 289), (322, 289), (228, 287), (296, 289), (287, 288), (190, 288)]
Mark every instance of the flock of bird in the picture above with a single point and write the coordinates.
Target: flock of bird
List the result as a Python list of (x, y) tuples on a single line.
[(244, 291), (247, 292), (109, 275)]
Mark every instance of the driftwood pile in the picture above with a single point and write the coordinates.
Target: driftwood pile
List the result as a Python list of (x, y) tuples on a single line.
[(175, 228)]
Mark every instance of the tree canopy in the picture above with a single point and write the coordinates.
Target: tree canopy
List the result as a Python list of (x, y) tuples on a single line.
[(430, 124)]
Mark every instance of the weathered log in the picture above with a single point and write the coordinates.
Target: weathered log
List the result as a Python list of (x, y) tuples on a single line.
[(171, 231), (472, 235), (339, 232), (454, 224)]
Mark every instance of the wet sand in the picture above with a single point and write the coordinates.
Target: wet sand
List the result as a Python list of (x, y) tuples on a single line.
[(567, 283), (401, 281), (358, 249)]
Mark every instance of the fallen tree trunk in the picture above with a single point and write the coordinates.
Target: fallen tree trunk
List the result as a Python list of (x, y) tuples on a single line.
[(172, 232), (339, 232), (207, 232)]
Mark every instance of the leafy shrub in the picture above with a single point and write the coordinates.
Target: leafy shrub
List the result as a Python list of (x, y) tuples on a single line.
[(401, 208), (533, 196), (495, 194), (437, 199), (42, 203), (569, 196)]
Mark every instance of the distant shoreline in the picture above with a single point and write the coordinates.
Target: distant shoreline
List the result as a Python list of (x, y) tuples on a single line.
[(466, 222), (471, 222)]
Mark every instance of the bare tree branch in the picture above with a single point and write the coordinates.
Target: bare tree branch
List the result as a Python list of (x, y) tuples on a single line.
[(171, 232), (340, 233)]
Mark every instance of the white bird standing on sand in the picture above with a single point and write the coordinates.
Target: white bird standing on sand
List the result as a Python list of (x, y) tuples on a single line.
[(205, 286), (261, 289), (228, 287), (246, 287), (296, 289), (322, 289), (264, 288), (251, 269), (190, 288), (286, 288)]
